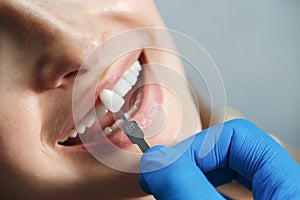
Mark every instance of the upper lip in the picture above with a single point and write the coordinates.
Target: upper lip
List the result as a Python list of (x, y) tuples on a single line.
[(108, 80)]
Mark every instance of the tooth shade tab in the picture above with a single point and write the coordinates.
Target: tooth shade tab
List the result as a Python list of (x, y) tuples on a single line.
[(128, 114), (111, 100), (108, 131)]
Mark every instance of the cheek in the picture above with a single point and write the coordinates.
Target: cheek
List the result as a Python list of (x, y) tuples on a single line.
[(19, 129)]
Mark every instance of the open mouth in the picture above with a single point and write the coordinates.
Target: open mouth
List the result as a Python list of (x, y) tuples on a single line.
[(128, 89)]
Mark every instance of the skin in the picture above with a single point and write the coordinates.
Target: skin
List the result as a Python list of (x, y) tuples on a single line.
[(43, 44)]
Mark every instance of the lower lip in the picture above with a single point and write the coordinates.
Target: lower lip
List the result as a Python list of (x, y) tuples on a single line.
[(151, 95)]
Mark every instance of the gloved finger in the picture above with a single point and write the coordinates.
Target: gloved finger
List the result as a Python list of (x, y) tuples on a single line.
[(167, 176), (237, 144)]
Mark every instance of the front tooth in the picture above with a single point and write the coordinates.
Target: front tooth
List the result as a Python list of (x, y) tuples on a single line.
[(136, 66), (89, 120), (111, 100), (134, 72), (80, 128), (130, 77), (73, 134), (64, 139), (122, 87)]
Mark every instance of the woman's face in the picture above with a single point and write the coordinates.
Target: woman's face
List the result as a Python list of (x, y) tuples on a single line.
[(43, 45)]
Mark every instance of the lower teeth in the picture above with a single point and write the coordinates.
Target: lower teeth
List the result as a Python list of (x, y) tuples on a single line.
[(128, 114)]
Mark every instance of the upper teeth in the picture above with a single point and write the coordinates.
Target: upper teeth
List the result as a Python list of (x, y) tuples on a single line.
[(112, 100)]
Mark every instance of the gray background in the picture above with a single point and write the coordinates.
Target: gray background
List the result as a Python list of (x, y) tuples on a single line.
[(256, 45)]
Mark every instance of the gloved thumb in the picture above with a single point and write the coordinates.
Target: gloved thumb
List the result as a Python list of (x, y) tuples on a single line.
[(167, 174)]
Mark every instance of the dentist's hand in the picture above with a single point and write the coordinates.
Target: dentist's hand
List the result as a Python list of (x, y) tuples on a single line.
[(242, 152)]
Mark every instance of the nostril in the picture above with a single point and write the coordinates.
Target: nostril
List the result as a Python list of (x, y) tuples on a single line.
[(73, 74), (52, 74), (51, 77), (64, 79)]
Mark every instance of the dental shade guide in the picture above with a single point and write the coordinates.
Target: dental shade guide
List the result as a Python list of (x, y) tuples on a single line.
[(133, 132), (113, 102)]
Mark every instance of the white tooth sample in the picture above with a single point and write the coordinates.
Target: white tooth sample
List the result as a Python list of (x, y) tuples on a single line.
[(73, 133), (108, 130), (118, 124), (89, 119), (80, 128), (111, 100), (122, 87), (130, 77), (136, 66), (100, 111), (128, 114)]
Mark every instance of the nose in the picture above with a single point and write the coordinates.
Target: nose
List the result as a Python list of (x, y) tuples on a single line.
[(72, 45), (66, 53), (61, 39)]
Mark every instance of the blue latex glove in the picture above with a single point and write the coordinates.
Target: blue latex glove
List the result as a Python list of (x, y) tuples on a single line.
[(242, 152)]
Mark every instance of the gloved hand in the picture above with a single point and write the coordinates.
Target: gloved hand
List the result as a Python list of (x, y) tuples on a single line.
[(242, 152)]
